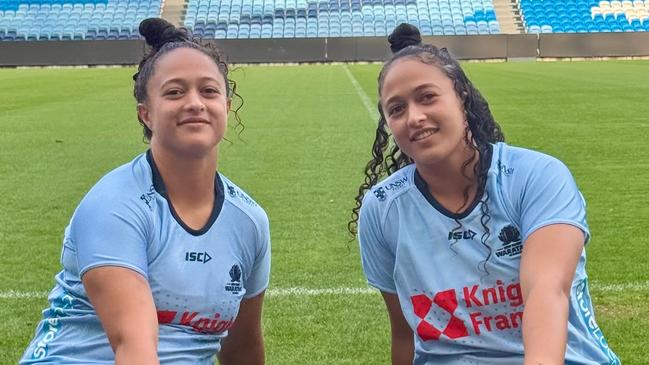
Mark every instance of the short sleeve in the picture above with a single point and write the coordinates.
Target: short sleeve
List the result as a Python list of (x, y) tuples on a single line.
[(551, 196), (109, 231), (376, 257), (259, 276)]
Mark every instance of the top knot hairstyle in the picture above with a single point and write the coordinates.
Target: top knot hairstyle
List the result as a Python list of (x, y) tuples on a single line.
[(163, 37), (403, 36), (482, 130)]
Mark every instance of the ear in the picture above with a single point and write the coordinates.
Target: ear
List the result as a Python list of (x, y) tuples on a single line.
[(229, 104), (143, 114)]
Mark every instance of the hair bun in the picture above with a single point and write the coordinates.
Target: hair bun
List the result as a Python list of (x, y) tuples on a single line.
[(157, 32), (402, 36)]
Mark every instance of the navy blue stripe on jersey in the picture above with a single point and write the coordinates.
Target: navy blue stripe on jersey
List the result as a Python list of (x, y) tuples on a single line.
[(160, 187), (423, 188)]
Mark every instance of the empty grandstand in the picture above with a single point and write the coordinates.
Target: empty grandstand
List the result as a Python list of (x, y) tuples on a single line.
[(37, 20), (74, 19), (585, 16)]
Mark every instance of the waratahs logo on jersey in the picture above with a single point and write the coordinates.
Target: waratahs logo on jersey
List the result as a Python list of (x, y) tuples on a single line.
[(381, 192), (473, 312), (512, 243), (234, 286)]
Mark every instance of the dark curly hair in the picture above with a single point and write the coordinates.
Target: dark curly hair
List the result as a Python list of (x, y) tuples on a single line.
[(163, 37), (482, 130)]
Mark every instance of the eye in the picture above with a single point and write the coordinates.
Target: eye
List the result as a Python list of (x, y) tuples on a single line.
[(210, 90), (173, 92), (428, 97), (395, 109)]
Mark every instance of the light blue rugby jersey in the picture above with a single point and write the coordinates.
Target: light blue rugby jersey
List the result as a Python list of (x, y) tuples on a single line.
[(461, 314), (198, 277)]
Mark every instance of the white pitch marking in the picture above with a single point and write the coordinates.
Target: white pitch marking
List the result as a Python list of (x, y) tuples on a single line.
[(371, 108), (297, 291)]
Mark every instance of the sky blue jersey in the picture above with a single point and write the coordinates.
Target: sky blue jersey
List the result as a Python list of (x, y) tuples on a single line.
[(457, 275), (197, 277)]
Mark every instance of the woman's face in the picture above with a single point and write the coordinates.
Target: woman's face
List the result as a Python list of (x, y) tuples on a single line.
[(187, 104), (424, 113)]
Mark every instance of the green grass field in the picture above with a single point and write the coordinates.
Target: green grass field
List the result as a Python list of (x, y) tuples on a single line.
[(307, 137)]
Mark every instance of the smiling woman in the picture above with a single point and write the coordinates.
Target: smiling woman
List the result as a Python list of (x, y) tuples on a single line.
[(476, 246), (150, 275)]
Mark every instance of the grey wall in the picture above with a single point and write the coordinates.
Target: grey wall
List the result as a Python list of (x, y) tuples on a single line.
[(501, 46)]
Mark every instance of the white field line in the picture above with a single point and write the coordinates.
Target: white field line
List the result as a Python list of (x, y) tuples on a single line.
[(297, 291), (371, 107)]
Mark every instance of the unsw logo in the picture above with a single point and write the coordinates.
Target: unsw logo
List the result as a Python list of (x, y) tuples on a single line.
[(512, 243), (381, 192), (234, 286), (234, 193), (473, 297)]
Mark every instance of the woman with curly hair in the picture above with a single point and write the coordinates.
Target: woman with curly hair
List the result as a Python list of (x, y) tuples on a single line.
[(476, 246)]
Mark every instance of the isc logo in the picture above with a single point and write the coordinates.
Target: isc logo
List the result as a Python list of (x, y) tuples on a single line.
[(203, 257), (466, 235)]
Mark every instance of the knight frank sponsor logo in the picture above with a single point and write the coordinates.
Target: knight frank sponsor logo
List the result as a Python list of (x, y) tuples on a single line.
[(209, 324), (512, 243), (472, 303), (234, 286)]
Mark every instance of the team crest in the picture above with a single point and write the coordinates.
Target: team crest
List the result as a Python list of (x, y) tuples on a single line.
[(234, 286), (512, 244)]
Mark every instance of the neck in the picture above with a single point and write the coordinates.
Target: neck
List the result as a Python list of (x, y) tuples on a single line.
[(188, 180), (448, 181)]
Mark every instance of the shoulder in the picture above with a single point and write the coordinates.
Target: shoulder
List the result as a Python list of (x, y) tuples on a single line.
[(510, 157), (242, 202), (392, 187), (521, 165), (126, 187)]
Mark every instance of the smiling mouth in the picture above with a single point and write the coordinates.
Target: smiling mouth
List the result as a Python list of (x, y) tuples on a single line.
[(193, 121), (423, 134)]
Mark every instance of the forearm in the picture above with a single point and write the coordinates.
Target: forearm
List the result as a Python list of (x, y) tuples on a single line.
[(136, 353), (250, 353), (402, 350), (545, 327)]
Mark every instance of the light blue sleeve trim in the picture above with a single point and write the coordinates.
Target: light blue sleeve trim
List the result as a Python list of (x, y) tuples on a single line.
[(114, 264)]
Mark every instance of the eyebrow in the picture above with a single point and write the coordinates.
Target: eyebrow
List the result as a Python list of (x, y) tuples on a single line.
[(420, 87), (182, 81)]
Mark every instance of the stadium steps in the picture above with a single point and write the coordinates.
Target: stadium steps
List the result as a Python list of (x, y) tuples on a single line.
[(174, 11), (508, 16)]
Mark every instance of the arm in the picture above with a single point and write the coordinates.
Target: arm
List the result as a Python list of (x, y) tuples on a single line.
[(548, 265), (123, 301), (403, 347), (245, 342)]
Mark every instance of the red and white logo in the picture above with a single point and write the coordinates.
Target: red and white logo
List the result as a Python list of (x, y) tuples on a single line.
[(447, 300), (479, 306)]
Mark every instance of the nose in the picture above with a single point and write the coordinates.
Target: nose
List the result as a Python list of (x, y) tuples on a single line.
[(416, 115), (194, 102)]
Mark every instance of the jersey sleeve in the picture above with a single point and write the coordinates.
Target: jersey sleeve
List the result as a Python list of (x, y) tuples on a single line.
[(377, 258), (259, 276), (109, 230), (550, 196)]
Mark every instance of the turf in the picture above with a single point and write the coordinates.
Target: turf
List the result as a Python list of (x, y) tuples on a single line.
[(307, 137)]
